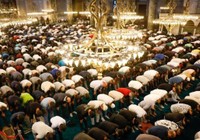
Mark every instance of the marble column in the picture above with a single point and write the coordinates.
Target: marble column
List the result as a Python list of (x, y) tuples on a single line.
[(36, 5), (78, 5), (151, 13), (193, 6), (46, 4), (69, 9), (61, 6), (21, 7), (110, 2)]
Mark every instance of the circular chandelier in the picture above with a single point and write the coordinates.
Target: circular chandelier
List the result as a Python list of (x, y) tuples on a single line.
[(87, 13), (101, 54), (19, 22), (128, 16), (125, 12), (70, 12), (124, 34), (106, 48), (176, 19), (186, 15), (172, 22)]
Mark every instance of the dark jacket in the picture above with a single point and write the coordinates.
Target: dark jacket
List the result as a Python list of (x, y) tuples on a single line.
[(119, 120), (109, 127), (97, 133)]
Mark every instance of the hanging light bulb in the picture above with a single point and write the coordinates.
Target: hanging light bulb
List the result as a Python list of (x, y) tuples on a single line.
[(76, 62), (134, 55), (112, 64), (83, 62), (70, 62)]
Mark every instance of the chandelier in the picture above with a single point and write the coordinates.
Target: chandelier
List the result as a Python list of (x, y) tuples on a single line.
[(170, 22), (48, 10), (70, 12), (186, 15), (8, 11), (36, 14), (87, 13), (43, 12), (102, 51), (17, 22), (124, 12)]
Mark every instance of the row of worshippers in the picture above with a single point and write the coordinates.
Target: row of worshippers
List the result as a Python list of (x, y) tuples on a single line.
[(169, 127), (61, 99), (26, 90)]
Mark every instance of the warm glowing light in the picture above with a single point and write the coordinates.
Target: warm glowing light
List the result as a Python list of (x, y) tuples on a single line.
[(185, 17), (19, 22), (84, 13), (71, 13), (76, 62), (128, 17), (48, 10), (36, 14), (164, 8), (169, 22), (83, 62)]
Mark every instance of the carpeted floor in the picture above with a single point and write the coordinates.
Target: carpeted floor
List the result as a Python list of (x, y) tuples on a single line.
[(188, 133)]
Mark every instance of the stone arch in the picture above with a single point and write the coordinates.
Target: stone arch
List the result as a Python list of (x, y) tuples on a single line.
[(189, 27)]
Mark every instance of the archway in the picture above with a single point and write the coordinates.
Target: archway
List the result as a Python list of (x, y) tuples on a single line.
[(189, 27), (164, 29)]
